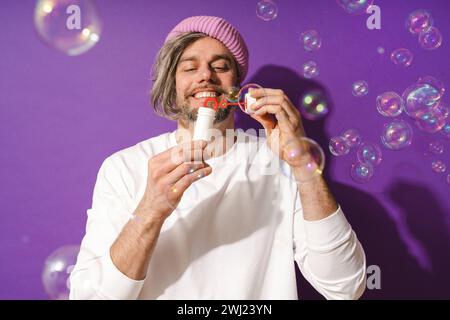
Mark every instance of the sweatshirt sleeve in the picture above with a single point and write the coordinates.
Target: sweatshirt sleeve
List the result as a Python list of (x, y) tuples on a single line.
[(94, 275), (330, 256)]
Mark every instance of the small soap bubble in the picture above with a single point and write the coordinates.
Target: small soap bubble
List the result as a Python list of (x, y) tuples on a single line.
[(402, 57), (389, 104), (430, 39), (360, 88), (438, 166), (310, 69), (418, 21), (369, 152), (313, 105), (352, 137), (311, 40), (380, 50), (361, 172), (266, 10), (397, 135), (338, 146)]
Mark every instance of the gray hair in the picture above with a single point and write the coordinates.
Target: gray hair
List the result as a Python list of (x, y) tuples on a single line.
[(163, 93)]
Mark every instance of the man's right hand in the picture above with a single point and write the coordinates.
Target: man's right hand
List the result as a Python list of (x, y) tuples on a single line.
[(170, 173)]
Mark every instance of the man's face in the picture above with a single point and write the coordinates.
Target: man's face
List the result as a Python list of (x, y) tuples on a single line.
[(205, 70)]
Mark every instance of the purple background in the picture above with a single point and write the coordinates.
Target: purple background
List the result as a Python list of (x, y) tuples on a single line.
[(61, 116)]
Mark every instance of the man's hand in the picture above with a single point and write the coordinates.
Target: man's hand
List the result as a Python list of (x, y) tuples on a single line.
[(281, 120), (170, 173)]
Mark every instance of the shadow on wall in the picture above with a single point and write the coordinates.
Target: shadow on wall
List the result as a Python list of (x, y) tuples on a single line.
[(403, 273)]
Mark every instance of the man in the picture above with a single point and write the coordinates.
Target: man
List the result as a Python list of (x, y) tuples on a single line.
[(168, 224)]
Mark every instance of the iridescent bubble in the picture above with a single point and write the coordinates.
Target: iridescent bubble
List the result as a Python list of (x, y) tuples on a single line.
[(266, 10), (418, 21), (432, 81), (397, 135), (448, 178), (310, 69), (360, 88), (369, 152), (352, 137), (430, 39), (338, 147), (232, 94), (402, 57), (311, 40), (313, 105), (306, 156), (355, 7), (436, 147), (380, 50), (246, 100), (438, 166), (419, 97), (361, 172), (71, 26), (431, 120), (445, 131), (57, 268), (443, 109), (389, 104)]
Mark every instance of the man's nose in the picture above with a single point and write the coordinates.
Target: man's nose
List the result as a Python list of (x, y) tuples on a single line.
[(205, 74)]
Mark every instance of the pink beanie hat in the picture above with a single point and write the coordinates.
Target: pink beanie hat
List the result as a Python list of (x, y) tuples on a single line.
[(220, 29)]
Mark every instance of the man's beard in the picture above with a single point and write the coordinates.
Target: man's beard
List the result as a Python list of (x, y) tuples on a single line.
[(190, 114)]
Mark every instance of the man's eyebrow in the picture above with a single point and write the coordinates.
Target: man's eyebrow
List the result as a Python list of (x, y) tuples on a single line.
[(214, 58)]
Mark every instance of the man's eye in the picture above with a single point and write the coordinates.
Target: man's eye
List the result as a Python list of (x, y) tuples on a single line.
[(191, 69), (221, 68)]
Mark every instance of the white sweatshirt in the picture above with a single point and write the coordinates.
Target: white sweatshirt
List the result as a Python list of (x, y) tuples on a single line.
[(235, 234)]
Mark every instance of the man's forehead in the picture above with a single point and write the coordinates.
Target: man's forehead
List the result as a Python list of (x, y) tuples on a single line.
[(197, 51)]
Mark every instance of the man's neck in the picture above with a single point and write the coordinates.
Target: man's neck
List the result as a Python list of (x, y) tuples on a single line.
[(221, 142)]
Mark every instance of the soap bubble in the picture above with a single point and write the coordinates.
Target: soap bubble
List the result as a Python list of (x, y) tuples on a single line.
[(57, 268), (338, 147), (436, 147), (448, 178), (389, 104), (243, 93), (369, 152), (313, 105), (360, 88), (232, 94), (397, 135), (355, 7), (438, 166), (445, 131), (418, 21), (380, 50), (311, 40), (361, 172), (306, 155), (431, 120), (432, 81), (266, 10), (402, 57), (71, 26), (420, 97), (430, 39), (310, 69), (352, 137)]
